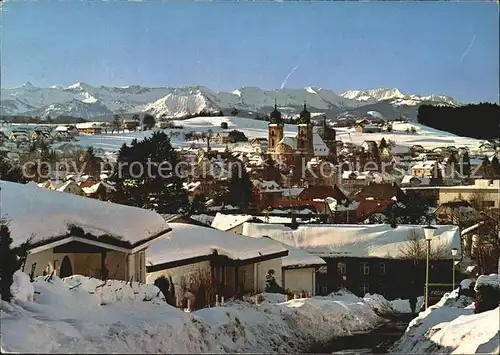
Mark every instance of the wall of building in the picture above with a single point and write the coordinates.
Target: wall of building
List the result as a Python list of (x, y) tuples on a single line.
[(246, 277), (298, 280), (261, 270), (397, 281), (185, 278), (43, 260), (117, 265), (448, 195)]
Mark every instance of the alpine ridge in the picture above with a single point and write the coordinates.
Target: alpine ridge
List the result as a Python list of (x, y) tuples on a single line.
[(102, 102)]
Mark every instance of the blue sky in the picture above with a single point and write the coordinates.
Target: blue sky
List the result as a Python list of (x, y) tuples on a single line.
[(419, 47)]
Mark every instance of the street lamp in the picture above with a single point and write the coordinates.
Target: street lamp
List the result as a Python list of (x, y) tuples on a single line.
[(429, 233), (454, 253)]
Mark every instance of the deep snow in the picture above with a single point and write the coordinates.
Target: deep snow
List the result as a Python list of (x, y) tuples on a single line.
[(451, 327), (71, 315)]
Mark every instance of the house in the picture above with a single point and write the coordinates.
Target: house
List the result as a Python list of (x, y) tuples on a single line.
[(382, 191), (487, 193), (426, 168), (369, 258), (40, 136), (259, 142), (89, 128), (19, 136), (232, 222), (130, 125), (299, 269), (221, 138), (368, 128), (322, 192), (69, 186), (78, 235), (413, 181), (69, 129), (202, 258)]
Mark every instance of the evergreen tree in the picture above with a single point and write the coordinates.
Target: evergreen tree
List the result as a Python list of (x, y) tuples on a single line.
[(92, 166), (148, 121), (8, 172), (197, 205), (240, 188), (8, 261), (116, 122), (383, 144), (495, 164), (147, 175), (270, 170)]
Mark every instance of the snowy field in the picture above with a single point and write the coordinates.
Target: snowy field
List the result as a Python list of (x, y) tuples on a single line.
[(451, 327), (79, 314), (425, 136)]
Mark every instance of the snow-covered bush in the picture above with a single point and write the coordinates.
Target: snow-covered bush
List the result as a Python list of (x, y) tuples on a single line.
[(487, 293)]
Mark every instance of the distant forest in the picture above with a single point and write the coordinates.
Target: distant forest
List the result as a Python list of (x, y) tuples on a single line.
[(38, 120), (481, 121)]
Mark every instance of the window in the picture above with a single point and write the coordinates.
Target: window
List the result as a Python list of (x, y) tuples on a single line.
[(341, 268), (364, 268), (382, 268), (364, 288)]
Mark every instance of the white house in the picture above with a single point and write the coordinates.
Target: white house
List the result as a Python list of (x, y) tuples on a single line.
[(72, 234), (196, 255)]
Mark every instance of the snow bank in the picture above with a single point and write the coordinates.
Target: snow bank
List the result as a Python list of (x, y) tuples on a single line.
[(444, 326), (378, 303), (22, 289), (492, 280), (403, 306), (64, 317)]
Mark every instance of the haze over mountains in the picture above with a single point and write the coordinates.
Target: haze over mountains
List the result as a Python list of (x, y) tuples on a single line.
[(102, 102)]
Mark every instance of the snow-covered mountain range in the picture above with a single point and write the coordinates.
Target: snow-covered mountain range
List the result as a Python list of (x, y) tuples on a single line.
[(100, 102)]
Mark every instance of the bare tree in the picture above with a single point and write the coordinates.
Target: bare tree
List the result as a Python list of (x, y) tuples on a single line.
[(415, 248)]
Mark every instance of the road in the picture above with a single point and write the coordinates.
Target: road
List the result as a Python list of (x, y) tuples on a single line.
[(376, 342)]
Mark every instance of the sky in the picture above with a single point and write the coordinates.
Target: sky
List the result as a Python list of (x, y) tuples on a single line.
[(449, 48)]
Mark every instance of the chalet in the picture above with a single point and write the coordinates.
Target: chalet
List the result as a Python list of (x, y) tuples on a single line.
[(426, 168), (19, 136), (458, 213), (89, 128), (369, 258), (323, 192), (221, 138), (386, 192), (259, 142), (410, 180), (78, 235), (69, 129), (130, 125), (232, 222), (40, 136), (69, 186), (201, 259), (368, 128)]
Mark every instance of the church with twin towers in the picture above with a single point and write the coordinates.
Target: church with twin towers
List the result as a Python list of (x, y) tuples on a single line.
[(309, 142)]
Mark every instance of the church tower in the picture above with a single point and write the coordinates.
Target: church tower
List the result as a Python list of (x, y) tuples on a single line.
[(275, 128), (305, 133)]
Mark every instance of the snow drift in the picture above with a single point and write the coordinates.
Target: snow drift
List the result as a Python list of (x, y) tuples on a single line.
[(85, 315)]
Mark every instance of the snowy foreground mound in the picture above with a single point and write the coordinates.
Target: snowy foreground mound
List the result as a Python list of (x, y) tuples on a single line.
[(451, 327), (79, 314)]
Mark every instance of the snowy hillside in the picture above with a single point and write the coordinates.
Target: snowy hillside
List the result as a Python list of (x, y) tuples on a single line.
[(425, 136), (87, 101)]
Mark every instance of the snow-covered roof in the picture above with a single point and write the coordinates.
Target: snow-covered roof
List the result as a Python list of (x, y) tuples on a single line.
[(225, 222), (424, 180), (292, 191), (428, 164), (492, 280), (46, 214), (289, 141), (320, 148), (379, 240), (190, 241), (88, 125), (267, 185)]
